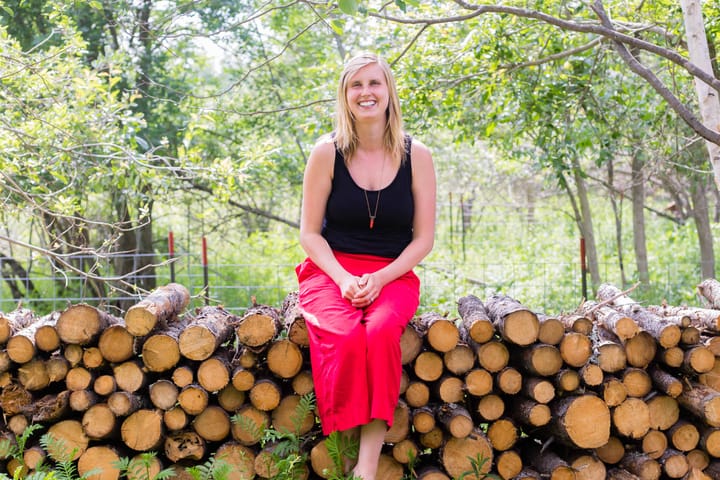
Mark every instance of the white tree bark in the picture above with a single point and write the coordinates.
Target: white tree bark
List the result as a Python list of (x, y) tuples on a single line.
[(700, 56)]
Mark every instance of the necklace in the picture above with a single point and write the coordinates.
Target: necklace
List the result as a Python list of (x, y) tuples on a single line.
[(373, 214)]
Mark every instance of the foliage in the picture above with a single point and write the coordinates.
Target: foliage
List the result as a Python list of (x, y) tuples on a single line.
[(139, 468), (341, 447), (287, 453), (213, 468), (15, 448), (478, 470)]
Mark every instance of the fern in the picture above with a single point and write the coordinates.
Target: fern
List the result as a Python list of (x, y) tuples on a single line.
[(476, 467), (249, 425), (213, 469), (139, 468), (339, 447), (65, 468)]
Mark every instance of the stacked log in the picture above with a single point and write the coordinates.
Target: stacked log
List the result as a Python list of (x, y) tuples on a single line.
[(612, 390)]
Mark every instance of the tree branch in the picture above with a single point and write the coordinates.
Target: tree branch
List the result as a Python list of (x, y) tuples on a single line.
[(651, 78)]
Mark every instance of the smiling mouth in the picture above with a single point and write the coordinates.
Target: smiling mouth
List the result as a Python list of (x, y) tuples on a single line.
[(367, 103)]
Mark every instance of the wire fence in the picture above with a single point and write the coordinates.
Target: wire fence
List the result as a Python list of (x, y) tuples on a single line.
[(546, 286)]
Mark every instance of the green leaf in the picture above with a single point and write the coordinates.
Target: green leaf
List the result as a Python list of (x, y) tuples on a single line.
[(9, 11), (349, 7), (401, 5), (337, 26)]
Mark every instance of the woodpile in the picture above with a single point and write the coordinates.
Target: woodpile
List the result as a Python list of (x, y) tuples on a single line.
[(614, 390)]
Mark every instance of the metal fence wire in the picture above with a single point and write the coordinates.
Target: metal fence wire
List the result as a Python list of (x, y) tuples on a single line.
[(544, 286)]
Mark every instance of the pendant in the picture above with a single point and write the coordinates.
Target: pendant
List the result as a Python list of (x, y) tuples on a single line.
[(372, 221)]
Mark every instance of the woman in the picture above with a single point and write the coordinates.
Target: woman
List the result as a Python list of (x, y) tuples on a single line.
[(368, 218)]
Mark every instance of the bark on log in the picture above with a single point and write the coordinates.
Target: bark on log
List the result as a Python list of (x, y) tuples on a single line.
[(607, 317), (294, 321), (162, 306), (654, 444), (14, 321), (240, 458), (551, 330), (163, 394), (184, 446), (515, 322), (401, 423), (99, 422), (575, 349), (286, 416), (212, 424), (503, 434), (684, 436), (213, 374), (116, 344), (211, 327), (143, 430), (411, 343), (49, 408), (632, 418), (161, 350), (612, 452), (456, 420), (548, 462), (641, 465), (284, 358), (709, 289), (460, 359), (542, 359), (457, 453), (703, 402), (258, 327), (665, 382), (509, 380), (475, 319), (82, 324), (581, 420), (664, 412), (71, 439), (441, 333), (509, 464), (99, 462)]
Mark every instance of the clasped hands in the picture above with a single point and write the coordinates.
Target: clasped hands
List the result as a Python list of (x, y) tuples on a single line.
[(360, 291)]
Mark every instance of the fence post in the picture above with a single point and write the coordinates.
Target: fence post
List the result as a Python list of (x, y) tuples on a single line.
[(171, 254), (583, 268), (206, 287)]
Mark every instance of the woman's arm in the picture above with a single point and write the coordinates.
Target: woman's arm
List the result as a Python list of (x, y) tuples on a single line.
[(317, 183)]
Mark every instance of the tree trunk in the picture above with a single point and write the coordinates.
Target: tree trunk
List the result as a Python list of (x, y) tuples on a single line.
[(638, 208), (701, 216), (699, 54)]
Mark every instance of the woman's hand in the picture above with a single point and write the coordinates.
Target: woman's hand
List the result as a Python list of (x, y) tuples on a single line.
[(369, 289), (349, 287)]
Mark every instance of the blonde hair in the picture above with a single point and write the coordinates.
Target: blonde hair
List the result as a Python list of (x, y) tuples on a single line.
[(345, 133)]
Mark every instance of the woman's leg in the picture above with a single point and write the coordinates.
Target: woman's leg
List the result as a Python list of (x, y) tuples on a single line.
[(338, 348), (372, 437)]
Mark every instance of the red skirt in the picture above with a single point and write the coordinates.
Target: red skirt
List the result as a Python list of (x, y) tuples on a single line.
[(355, 352)]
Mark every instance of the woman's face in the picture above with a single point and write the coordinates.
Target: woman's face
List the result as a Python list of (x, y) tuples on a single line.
[(367, 93)]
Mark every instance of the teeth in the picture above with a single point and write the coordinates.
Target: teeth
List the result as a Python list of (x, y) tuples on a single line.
[(367, 104)]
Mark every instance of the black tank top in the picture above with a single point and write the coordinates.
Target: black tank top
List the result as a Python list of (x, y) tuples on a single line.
[(347, 222)]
